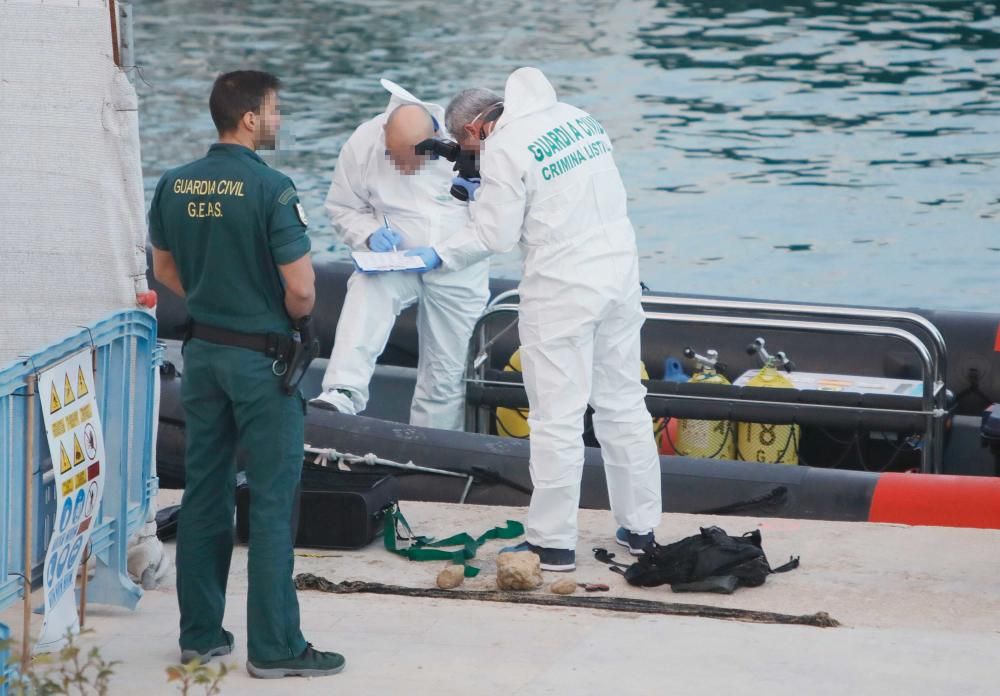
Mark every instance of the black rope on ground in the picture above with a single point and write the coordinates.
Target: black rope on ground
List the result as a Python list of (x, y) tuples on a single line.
[(308, 581)]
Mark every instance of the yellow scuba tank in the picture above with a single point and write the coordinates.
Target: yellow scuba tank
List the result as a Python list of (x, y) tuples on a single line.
[(513, 422), (705, 438), (760, 442)]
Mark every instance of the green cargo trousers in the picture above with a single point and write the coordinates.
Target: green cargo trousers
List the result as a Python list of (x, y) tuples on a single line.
[(232, 398)]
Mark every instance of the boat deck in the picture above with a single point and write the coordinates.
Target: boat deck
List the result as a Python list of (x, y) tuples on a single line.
[(919, 608)]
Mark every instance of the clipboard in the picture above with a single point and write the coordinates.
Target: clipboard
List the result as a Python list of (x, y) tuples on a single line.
[(386, 262)]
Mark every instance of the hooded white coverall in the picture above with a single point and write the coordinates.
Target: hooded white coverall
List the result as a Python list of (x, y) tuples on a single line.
[(366, 185), (549, 182)]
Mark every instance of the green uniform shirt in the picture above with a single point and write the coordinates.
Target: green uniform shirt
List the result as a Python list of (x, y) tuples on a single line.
[(228, 220)]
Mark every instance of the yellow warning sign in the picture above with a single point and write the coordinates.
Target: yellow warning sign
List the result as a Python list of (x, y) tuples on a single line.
[(73, 419), (54, 404), (59, 428), (80, 479), (68, 397), (86, 413), (77, 451), (67, 487), (81, 383), (64, 464)]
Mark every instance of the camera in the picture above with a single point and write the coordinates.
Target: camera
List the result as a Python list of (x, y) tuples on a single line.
[(466, 162)]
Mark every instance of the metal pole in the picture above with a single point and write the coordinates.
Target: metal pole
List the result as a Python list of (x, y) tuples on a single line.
[(465, 492), (87, 551), (83, 587), (126, 35), (113, 11), (28, 514)]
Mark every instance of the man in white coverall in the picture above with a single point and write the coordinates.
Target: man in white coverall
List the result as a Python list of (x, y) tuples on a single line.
[(549, 182), (379, 179)]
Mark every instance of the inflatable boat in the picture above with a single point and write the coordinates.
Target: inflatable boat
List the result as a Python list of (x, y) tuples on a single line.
[(884, 415)]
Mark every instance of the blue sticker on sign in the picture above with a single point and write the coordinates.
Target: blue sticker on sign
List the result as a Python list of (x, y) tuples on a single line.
[(63, 557), (66, 514), (74, 555), (81, 500), (50, 575)]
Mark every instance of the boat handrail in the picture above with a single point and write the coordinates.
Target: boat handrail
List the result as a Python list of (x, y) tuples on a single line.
[(936, 343), (930, 386), (932, 391), (503, 297), (931, 453)]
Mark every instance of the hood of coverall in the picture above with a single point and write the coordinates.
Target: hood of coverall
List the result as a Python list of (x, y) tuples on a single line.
[(527, 91), (401, 96), (574, 229)]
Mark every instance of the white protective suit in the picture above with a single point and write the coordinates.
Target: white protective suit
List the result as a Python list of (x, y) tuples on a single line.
[(366, 185), (549, 182)]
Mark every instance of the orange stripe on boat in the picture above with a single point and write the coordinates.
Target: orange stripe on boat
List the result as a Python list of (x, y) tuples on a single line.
[(996, 341), (937, 500)]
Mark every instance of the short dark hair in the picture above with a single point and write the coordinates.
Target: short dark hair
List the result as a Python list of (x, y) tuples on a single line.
[(235, 93)]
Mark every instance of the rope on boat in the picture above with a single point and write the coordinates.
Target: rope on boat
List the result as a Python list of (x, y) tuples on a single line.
[(324, 455)]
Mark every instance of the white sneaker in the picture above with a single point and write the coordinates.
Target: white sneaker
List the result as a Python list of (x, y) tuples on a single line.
[(334, 400)]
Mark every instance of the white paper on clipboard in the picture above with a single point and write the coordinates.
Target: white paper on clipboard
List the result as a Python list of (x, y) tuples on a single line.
[(383, 261)]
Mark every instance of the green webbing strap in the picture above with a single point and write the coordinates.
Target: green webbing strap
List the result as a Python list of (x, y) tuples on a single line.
[(423, 548)]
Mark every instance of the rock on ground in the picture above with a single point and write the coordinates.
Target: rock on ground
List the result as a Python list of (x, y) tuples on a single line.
[(518, 570)]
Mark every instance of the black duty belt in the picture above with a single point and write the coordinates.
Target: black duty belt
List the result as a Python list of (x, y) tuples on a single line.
[(273, 345)]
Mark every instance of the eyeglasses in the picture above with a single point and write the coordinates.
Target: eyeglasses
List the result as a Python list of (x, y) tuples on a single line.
[(486, 114)]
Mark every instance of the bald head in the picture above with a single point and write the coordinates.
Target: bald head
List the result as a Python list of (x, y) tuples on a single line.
[(406, 126)]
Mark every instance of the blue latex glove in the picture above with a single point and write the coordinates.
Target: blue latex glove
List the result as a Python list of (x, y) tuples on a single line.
[(384, 239), (470, 186), (429, 256)]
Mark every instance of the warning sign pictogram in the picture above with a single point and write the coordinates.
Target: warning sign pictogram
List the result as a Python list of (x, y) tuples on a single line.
[(81, 383), (90, 441), (64, 464), (68, 397), (77, 451), (54, 404)]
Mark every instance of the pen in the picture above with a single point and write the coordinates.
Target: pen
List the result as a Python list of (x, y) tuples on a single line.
[(385, 219)]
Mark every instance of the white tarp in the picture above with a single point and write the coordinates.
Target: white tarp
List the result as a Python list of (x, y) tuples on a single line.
[(72, 219)]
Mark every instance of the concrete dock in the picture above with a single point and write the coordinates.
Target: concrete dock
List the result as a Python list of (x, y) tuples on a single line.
[(919, 608)]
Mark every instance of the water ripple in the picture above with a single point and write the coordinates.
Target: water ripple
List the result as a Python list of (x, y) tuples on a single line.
[(864, 129)]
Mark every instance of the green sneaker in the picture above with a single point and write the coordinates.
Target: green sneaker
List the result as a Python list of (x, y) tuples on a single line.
[(311, 663), (204, 657)]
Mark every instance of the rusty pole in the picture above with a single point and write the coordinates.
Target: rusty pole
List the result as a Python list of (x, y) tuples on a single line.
[(88, 550), (29, 475), (113, 11)]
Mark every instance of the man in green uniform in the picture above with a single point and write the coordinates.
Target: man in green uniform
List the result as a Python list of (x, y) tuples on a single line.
[(229, 235)]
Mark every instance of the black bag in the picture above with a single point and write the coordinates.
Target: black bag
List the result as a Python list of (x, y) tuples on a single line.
[(336, 509), (711, 561)]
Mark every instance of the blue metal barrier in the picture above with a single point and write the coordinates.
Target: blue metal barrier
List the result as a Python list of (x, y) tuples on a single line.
[(4, 657), (127, 359)]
